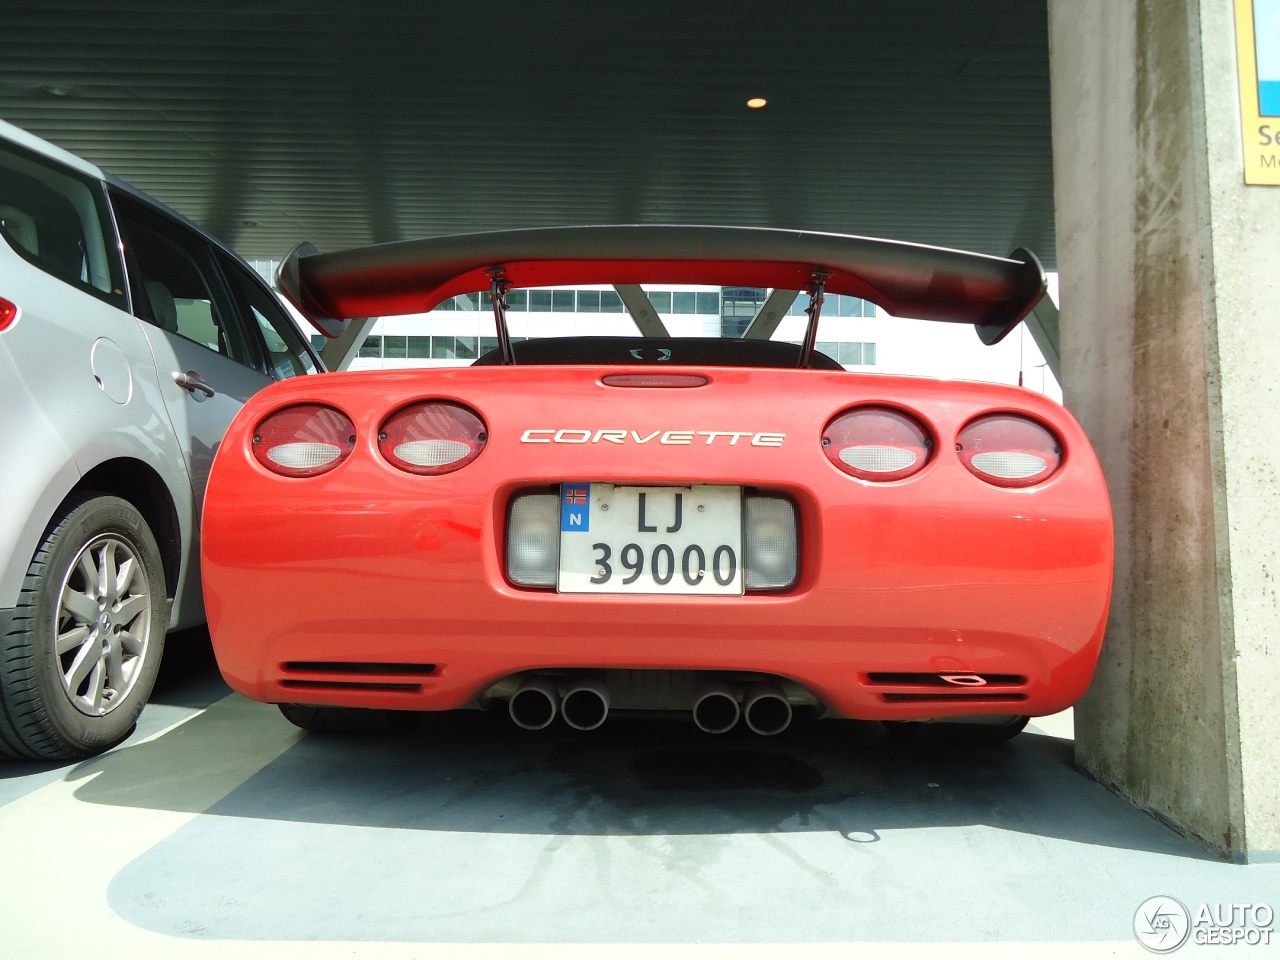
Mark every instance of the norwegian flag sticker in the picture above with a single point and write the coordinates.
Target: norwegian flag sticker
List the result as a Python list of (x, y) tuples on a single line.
[(575, 508)]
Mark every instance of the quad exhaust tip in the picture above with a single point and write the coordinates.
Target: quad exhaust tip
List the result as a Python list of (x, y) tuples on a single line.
[(718, 704), (766, 709), (533, 706), (715, 707), (585, 704)]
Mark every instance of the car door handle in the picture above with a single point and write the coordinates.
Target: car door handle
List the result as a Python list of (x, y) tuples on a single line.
[(192, 382)]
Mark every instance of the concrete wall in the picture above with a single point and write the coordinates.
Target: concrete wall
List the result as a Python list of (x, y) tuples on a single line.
[(1170, 303)]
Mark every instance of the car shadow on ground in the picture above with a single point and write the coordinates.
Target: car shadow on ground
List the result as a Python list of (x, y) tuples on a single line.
[(476, 772)]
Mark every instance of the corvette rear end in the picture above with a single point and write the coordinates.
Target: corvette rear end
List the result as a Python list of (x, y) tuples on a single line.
[(734, 531)]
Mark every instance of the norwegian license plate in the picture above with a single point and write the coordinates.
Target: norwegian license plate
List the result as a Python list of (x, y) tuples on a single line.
[(675, 540)]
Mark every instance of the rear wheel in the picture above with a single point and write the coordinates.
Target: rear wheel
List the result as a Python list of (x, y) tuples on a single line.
[(908, 731), (80, 656), (1000, 732), (901, 731), (346, 720)]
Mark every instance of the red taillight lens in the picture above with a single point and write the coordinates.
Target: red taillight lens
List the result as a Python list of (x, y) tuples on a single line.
[(432, 438), (1009, 451), (8, 313), (304, 441), (876, 443)]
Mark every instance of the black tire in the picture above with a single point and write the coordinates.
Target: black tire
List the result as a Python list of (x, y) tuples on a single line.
[(1001, 732), (86, 699), (348, 720), (901, 731)]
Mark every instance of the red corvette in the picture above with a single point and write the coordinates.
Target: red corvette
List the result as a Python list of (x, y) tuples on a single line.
[(732, 528)]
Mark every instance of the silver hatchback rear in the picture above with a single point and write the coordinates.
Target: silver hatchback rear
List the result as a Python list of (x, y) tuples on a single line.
[(128, 340)]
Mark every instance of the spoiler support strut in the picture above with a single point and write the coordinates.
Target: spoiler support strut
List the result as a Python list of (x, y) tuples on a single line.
[(816, 288), (498, 297)]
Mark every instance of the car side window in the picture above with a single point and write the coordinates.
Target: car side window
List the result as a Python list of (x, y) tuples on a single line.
[(181, 290), (285, 353), (58, 220)]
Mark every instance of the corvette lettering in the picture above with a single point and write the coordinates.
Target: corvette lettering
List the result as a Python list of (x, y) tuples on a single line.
[(675, 438)]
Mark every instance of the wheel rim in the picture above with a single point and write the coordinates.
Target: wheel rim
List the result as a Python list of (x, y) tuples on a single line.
[(102, 628)]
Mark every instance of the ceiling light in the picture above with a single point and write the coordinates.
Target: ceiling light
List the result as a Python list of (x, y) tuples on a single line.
[(755, 103)]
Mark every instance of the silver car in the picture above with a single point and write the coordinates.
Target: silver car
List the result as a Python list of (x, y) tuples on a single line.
[(129, 338)]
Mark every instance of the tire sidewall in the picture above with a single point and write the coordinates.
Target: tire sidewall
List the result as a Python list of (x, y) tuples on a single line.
[(91, 519)]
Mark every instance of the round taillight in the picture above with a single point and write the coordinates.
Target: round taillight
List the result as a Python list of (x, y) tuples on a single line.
[(432, 437), (8, 313), (1009, 450), (876, 443), (304, 441)]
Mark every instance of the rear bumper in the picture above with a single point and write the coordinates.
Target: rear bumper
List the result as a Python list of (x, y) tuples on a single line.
[(404, 605)]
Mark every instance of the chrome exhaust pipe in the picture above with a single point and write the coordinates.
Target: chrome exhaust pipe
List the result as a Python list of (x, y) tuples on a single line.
[(715, 707), (533, 705), (766, 709), (585, 704)]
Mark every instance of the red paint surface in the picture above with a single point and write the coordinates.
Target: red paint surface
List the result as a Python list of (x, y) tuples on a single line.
[(937, 573)]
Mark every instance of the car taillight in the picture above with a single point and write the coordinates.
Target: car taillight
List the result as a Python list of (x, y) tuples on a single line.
[(304, 441), (1009, 451), (432, 437), (8, 313), (876, 443)]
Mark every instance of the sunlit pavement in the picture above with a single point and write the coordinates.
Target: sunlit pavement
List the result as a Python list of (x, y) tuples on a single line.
[(220, 830)]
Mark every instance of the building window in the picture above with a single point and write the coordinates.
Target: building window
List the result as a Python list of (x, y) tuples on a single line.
[(419, 347), (372, 347), (395, 348), (738, 305), (588, 301), (661, 300)]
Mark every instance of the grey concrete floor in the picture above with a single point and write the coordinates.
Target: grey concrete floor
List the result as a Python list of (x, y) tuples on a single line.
[(220, 830)]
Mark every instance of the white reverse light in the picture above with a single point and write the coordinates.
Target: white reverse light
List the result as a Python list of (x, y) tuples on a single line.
[(878, 458), (1010, 466), (432, 453), (304, 456)]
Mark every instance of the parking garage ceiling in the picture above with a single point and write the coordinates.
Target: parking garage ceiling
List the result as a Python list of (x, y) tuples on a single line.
[(347, 123)]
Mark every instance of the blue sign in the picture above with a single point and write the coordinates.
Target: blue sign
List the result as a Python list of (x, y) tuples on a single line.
[(575, 508), (1266, 35)]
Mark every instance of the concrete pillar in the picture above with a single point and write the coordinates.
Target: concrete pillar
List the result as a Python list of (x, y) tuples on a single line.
[(1170, 307)]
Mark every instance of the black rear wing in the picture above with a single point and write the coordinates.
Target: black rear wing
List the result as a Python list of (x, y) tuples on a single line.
[(906, 279)]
